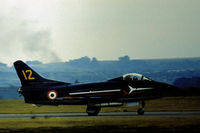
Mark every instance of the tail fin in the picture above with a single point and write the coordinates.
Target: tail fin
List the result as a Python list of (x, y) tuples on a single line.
[(27, 75)]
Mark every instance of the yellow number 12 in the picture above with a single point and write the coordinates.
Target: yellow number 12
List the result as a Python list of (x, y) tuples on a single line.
[(28, 75)]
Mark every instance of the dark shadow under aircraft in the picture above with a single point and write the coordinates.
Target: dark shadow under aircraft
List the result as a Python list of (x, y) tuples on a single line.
[(127, 89)]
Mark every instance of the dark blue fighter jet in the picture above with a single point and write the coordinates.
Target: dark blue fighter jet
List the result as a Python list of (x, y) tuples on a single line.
[(128, 89)]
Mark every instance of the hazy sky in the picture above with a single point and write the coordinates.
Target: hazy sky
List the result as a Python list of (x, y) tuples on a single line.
[(60, 30)]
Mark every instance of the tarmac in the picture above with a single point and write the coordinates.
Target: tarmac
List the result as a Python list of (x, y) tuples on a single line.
[(100, 115)]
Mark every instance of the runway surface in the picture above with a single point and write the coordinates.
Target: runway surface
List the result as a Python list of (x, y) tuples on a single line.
[(111, 114)]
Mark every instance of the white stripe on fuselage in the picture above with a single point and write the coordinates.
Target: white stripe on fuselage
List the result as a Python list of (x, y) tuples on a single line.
[(93, 92), (137, 89)]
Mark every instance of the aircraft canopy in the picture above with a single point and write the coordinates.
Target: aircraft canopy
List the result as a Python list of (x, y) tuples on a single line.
[(134, 77)]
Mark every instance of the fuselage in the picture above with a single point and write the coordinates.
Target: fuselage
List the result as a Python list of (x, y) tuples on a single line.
[(91, 93)]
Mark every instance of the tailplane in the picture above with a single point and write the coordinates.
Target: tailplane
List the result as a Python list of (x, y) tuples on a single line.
[(28, 76)]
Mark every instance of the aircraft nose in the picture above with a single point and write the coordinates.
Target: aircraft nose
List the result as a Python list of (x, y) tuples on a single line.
[(167, 89)]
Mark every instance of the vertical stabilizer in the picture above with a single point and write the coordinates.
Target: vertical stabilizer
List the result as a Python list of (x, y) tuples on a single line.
[(27, 75)]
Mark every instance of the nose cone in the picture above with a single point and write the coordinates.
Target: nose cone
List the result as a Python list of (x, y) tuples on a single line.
[(167, 89)]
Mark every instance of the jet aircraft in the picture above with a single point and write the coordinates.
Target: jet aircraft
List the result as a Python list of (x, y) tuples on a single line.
[(127, 89)]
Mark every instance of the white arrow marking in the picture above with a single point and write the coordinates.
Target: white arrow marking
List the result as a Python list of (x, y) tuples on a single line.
[(137, 89), (93, 92)]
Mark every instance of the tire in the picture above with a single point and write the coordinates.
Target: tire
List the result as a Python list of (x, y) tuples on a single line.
[(140, 111), (93, 114), (92, 110)]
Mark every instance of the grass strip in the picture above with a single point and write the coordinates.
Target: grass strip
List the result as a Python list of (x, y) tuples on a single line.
[(163, 104), (97, 124)]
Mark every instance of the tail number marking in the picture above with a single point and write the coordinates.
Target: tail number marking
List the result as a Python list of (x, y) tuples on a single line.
[(28, 75)]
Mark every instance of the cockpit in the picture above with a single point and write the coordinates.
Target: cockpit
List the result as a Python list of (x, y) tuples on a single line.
[(134, 77)]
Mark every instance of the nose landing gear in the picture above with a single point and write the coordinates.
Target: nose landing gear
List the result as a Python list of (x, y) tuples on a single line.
[(93, 110), (140, 111)]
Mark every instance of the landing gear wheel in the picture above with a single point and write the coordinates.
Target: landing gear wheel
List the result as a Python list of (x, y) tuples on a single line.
[(93, 114), (92, 110), (140, 111)]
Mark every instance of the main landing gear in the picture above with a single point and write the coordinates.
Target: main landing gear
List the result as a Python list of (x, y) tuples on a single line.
[(140, 111), (93, 110)]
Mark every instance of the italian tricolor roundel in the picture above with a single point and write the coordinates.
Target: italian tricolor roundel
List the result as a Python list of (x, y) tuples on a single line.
[(51, 95)]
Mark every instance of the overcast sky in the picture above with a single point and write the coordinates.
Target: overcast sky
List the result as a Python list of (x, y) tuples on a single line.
[(61, 30)]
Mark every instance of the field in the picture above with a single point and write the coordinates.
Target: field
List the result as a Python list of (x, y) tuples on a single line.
[(163, 104), (99, 124), (102, 125)]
